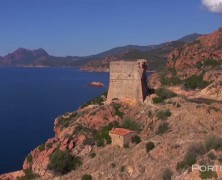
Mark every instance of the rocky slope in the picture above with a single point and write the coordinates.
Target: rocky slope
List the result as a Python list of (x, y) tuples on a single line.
[(173, 126), (197, 65)]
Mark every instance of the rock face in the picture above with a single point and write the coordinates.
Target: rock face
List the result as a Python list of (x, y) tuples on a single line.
[(128, 80), (195, 57)]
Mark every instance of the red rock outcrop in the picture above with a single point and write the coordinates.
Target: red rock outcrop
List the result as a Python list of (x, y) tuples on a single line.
[(185, 60)]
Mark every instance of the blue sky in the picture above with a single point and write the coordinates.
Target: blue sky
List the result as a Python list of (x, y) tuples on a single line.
[(84, 27)]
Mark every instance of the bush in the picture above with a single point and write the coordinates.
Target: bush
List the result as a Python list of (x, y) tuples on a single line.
[(62, 162), (208, 174), (165, 93), (41, 147), (28, 175), (86, 177), (193, 152), (194, 82), (113, 165), (211, 62), (29, 158), (103, 134), (213, 142), (122, 169), (163, 114), (163, 128), (96, 101), (157, 100), (135, 139), (149, 146), (126, 146), (167, 174), (171, 81), (92, 155), (212, 156), (117, 111), (131, 124)]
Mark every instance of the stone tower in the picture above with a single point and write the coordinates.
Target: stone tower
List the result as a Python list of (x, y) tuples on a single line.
[(128, 80)]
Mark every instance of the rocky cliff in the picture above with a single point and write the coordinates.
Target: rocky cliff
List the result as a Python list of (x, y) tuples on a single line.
[(197, 65), (170, 134)]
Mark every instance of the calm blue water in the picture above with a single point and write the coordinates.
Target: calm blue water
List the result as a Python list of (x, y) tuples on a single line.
[(30, 100)]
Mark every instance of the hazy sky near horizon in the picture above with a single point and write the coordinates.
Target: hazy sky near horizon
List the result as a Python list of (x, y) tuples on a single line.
[(85, 27)]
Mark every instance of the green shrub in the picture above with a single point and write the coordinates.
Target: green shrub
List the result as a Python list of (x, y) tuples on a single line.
[(213, 142), (149, 146), (126, 146), (211, 62), (157, 100), (117, 111), (208, 174), (212, 156), (49, 145), (165, 93), (86, 177), (96, 101), (167, 174), (29, 158), (131, 124), (136, 139), (171, 81), (41, 147), (67, 136), (122, 169), (194, 82), (113, 165), (103, 134), (163, 114), (163, 128), (28, 175), (62, 162), (193, 152), (92, 155)]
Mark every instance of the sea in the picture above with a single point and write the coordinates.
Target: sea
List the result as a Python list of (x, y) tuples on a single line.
[(30, 100)]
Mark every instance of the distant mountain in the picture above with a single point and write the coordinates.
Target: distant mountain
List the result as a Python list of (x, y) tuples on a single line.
[(156, 54), (190, 38), (39, 57)]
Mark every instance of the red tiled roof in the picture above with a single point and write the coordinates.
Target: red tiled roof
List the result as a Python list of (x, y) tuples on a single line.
[(121, 131)]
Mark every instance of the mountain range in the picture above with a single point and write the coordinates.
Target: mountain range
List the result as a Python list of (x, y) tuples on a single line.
[(40, 58)]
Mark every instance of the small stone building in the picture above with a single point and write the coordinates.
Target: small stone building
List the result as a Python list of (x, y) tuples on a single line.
[(121, 136)]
